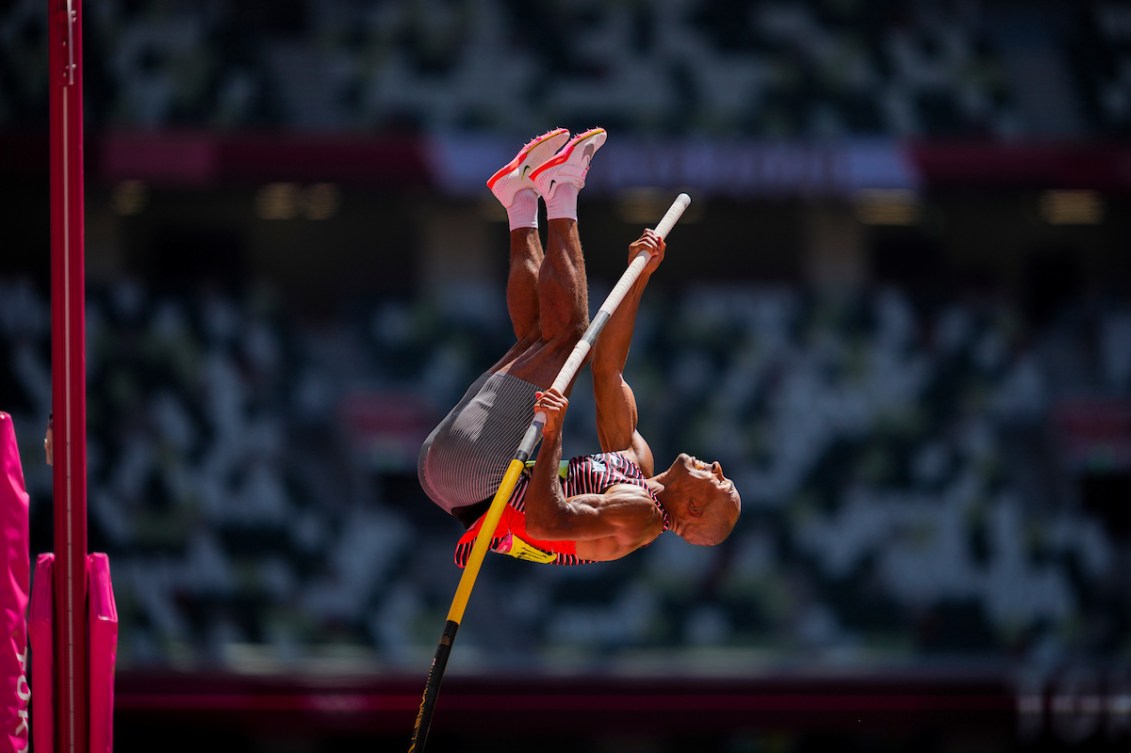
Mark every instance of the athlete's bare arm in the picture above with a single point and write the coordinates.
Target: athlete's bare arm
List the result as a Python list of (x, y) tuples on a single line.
[(617, 415)]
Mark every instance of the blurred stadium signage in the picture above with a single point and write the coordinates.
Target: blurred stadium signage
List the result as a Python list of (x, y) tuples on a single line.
[(455, 164)]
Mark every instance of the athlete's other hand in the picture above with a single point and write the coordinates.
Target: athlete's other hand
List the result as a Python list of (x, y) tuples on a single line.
[(651, 243), (553, 403)]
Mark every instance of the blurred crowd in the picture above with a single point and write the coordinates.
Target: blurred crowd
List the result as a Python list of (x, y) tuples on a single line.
[(781, 68), (905, 495)]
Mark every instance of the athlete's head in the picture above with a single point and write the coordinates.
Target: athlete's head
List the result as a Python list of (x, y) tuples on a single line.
[(702, 502)]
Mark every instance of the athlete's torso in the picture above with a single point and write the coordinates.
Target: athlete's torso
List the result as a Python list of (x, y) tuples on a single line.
[(584, 474)]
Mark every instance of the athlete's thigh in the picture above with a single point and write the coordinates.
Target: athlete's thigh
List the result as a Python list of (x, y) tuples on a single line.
[(536, 361)]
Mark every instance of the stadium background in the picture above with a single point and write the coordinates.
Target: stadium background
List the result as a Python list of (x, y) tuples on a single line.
[(897, 312)]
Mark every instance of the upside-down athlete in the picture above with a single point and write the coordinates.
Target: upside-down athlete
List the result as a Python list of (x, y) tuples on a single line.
[(595, 507)]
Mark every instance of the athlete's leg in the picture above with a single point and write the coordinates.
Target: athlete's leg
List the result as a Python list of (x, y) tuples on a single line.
[(562, 286), (563, 292), (514, 189), (522, 283)]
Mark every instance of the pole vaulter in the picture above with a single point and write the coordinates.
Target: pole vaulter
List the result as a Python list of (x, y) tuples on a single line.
[(526, 448)]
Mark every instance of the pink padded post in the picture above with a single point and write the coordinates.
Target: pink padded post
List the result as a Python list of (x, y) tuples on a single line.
[(102, 621), (14, 584), (41, 629)]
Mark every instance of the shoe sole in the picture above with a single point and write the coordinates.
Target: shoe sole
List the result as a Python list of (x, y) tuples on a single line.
[(564, 155), (508, 168)]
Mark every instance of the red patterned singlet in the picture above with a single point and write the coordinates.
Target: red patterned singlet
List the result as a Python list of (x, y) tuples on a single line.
[(584, 474)]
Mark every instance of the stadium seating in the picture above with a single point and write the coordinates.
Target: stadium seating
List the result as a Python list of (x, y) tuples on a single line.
[(890, 509)]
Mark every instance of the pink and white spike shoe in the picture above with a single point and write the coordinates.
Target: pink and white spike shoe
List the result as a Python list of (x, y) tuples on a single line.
[(515, 175), (570, 165)]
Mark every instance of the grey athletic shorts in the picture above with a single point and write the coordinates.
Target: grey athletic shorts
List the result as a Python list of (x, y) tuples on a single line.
[(464, 459)]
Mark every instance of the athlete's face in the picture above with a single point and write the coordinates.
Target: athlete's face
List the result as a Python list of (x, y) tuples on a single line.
[(700, 469)]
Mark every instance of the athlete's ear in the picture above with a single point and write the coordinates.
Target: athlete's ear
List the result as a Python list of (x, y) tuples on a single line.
[(694, 507)]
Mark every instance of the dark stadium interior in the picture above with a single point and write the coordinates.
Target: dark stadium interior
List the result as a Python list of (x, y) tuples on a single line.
[(898, 311)]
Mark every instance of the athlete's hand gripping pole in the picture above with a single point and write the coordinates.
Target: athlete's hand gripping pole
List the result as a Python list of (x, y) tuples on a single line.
[(529, 443)]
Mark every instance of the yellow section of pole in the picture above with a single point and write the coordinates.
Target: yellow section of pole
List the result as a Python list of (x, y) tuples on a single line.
[(483, 539)]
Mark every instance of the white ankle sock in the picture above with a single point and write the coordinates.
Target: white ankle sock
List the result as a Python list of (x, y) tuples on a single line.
[(562, 204), (523, 212)]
